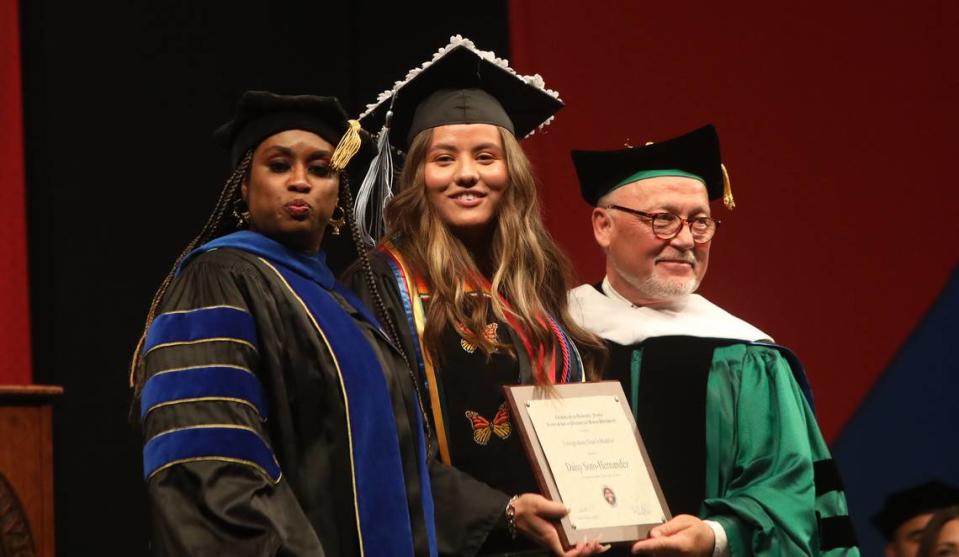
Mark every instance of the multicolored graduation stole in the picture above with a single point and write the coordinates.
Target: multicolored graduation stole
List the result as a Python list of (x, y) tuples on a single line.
[(414, 292)]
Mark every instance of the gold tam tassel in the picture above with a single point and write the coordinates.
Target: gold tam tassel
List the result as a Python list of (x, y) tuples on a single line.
[(728, 200), (348, 146)]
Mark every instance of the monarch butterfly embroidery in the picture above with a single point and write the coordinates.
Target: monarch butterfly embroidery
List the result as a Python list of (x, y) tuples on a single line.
[(482, 428), (489, 333)]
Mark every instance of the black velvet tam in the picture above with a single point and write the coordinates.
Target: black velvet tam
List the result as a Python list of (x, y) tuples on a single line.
[(696, 153), (904, 505), (260, 114), (461, 87)]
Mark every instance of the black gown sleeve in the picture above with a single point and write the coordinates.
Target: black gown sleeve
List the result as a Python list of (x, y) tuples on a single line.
[(214, 484), (466, 509), (385, 284)]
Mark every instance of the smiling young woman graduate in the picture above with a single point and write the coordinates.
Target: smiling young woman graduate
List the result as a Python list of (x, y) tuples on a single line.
[(472, 283), (262, 382)]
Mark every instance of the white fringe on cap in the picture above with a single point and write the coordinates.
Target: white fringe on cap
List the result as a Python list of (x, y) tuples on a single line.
[(535, 80), (378, 182)]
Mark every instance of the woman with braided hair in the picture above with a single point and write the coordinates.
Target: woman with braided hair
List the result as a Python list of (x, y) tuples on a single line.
[(474, 287), (278, 418)]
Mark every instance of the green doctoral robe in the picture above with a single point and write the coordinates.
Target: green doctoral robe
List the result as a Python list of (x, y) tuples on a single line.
[(730, 431)]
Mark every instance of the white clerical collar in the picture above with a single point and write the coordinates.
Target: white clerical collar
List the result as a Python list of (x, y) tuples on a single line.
[(611, 316)]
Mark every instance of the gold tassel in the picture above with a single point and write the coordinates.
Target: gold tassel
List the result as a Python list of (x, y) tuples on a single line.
[(348, 146), (728, 200)]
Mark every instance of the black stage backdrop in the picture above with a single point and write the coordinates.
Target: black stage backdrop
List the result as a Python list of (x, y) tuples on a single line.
[(120, 102)]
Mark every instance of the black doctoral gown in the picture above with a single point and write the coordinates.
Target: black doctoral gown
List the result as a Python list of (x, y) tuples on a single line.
[(274, 476)]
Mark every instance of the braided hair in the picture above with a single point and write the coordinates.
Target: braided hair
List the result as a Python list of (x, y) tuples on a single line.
[(213, 227), (362, 248)]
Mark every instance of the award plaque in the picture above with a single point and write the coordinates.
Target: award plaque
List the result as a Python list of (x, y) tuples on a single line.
[(586, 451)]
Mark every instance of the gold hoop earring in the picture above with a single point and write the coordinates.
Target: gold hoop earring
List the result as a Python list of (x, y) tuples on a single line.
[(337, 222), (241, 213)]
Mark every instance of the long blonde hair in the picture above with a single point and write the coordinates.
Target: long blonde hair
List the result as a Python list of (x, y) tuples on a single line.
[(528, 268)]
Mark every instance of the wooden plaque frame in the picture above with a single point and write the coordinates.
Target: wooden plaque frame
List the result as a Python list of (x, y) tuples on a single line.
[(518, 396)]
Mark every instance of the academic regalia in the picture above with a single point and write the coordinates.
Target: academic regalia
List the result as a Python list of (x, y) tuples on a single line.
[(467, 408), (463, 389), (693, 155), (726, 415), (263, 414), (906, 504), (711, 393), (460, 84), (278, 417), (276, 476)]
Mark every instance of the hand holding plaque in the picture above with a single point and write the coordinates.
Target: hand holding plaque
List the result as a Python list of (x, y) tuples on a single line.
[(587, 452)]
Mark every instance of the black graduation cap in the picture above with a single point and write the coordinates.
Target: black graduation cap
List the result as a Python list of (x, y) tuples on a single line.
[(911, 502), (463, 85), (459, 85), (260, 114), (694, 154)]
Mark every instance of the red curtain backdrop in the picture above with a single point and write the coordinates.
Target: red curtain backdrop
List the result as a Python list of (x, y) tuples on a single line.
[(838, 125), (14, 301)]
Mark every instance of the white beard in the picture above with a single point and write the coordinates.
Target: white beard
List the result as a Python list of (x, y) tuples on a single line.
[(653, 288)]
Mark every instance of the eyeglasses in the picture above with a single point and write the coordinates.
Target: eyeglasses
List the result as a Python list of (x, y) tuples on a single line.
[(666, 226)]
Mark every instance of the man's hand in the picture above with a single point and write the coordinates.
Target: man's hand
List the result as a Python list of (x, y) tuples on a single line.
[(532, 516), (683, 535)]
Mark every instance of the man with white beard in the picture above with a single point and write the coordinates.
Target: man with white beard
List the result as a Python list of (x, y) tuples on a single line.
[(723, 411)]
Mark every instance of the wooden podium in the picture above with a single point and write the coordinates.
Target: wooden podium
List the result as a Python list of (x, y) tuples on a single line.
[(26, 469)]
